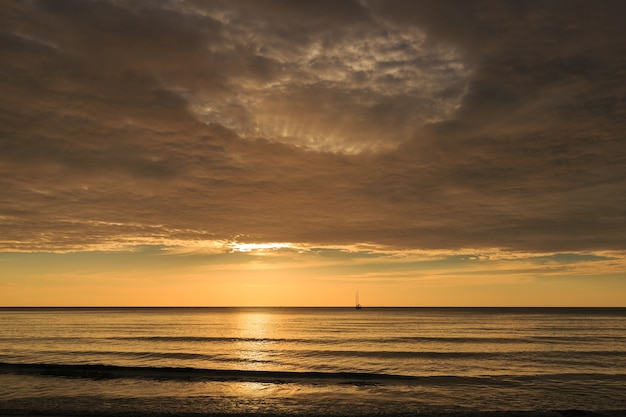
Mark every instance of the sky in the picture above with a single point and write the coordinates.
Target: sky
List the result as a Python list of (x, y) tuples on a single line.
[(292, 153)]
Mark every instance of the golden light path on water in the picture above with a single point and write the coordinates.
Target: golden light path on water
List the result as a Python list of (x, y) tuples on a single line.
[(254, 328)]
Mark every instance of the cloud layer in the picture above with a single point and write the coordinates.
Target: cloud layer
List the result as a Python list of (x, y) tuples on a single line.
[(409, 124)]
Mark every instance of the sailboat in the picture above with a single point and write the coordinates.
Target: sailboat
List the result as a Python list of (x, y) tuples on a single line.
[(358, 305)]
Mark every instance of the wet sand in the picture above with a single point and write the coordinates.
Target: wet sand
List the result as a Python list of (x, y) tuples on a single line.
[(554, 413)]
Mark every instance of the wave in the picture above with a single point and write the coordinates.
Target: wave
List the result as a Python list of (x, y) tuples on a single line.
[(140, 357), (100, 371), (531, 340), (539, 356), (206, 339), (535, 355), (388, 340)]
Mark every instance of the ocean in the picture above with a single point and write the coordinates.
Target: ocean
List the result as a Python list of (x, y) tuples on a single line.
[(312, 361)]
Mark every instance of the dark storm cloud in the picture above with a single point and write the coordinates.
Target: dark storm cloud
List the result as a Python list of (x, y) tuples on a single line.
[(452, 124)]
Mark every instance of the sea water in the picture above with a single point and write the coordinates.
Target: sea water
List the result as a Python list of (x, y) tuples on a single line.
[(311, 361)]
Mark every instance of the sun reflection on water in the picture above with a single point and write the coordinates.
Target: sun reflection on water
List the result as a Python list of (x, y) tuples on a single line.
[(255, 328)]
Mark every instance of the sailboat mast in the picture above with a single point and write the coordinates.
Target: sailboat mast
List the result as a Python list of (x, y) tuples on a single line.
[(356, 296)]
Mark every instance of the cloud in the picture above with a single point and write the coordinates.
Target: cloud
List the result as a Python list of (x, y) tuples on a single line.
[(332, 78), (434, 125)]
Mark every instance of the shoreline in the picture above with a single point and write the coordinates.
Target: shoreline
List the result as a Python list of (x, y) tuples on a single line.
[(133, 413)]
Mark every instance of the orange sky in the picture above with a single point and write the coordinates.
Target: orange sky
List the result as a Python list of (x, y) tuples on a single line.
[(292, 153), (311, 277)]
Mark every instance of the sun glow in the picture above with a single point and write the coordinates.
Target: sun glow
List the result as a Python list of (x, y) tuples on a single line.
[(250, 247)]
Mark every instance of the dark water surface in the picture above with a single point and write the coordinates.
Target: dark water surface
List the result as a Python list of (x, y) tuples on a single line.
[(313, 361)]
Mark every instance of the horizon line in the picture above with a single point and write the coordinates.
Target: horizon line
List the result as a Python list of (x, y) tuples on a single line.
[(286, 306)]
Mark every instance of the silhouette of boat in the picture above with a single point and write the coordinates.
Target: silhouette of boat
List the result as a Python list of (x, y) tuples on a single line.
[(358, 305)]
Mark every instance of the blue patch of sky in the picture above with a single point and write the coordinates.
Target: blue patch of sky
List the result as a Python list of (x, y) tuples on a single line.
[(569, 258)]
